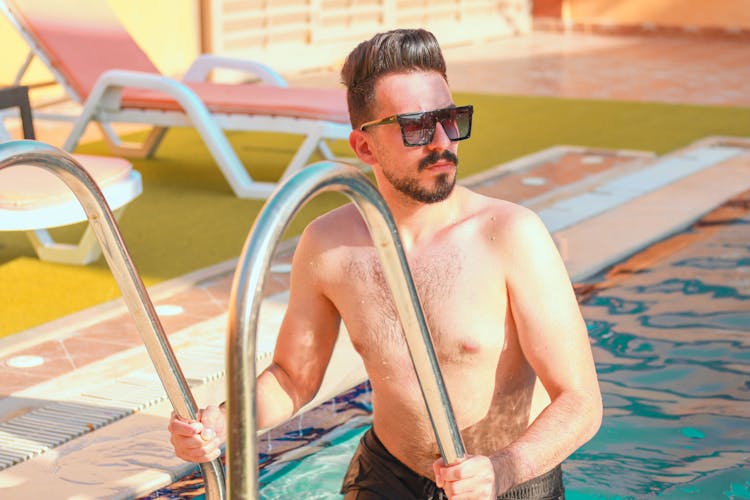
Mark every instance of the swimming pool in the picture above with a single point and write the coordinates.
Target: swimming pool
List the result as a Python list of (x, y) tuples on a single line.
[(670, 329)]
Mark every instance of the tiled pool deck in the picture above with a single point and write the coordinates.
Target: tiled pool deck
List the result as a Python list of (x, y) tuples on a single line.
[(681, 69)]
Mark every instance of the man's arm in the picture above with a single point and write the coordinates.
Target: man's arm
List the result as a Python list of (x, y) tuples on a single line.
[(303, 349), (305, 342), (554, 340)]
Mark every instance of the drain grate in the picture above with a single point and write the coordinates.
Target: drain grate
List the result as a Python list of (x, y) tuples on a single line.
[(42, 429)]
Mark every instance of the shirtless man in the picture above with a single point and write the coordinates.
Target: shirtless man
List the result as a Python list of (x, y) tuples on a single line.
[(508, 333)]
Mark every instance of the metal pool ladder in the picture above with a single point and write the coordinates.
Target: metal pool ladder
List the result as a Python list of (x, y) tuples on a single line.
[(134, 293), (244, 308)]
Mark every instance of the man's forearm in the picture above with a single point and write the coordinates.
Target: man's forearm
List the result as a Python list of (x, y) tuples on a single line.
[(566, 424), (275, 404)]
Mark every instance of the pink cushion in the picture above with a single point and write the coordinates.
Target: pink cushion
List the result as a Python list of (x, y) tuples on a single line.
[(82, 39), (298, 102)]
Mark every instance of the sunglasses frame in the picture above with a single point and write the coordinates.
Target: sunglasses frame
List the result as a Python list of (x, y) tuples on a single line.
[(434, 115)]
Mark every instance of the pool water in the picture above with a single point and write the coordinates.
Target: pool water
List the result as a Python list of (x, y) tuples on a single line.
[(319, 475), (670, 331), (672, 348)]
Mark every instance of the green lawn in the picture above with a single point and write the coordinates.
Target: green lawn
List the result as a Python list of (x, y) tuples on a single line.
[(187, 217)]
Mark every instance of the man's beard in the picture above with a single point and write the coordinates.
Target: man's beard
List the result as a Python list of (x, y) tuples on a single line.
[(442, 188)]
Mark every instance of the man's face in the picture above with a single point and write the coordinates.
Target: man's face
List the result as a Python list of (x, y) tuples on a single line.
[(426, 174)]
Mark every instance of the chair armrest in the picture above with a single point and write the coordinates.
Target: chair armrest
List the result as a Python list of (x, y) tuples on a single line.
[(108, 88), (107, 92), (205, 63)]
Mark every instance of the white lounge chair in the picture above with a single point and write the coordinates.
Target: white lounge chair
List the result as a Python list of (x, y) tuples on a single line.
[(34, 200), (100, 65)]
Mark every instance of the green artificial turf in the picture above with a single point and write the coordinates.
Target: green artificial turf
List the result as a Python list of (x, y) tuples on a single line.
[(187, 217)]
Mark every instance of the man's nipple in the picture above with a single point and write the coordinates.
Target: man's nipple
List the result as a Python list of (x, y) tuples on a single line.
[(470, 347)]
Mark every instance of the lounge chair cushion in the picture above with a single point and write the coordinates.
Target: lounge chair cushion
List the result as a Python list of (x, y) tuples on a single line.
[(81, 46), (254, 99)]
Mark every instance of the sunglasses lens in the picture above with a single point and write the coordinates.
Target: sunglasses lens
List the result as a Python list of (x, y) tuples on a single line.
[(418, 129), (457, 123), (463, 120)]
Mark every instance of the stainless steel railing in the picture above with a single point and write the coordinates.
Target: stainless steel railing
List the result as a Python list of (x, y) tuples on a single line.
[(134, 293), (249, 278)]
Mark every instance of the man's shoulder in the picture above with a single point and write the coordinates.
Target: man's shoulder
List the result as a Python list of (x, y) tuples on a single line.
[(505, 222), (498, 212), (336, 227)]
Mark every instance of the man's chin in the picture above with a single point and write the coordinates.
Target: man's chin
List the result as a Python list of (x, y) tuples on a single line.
[(442, 190)]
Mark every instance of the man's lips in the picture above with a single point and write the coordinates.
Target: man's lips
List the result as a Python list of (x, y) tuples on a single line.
[(441, 165)]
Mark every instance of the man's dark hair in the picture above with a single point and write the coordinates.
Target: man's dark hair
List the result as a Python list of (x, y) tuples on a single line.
[(396, 51)]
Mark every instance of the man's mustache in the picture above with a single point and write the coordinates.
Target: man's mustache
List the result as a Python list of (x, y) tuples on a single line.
[(436, 156)]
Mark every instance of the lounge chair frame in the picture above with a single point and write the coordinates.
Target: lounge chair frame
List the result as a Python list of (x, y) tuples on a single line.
[(103, 106)]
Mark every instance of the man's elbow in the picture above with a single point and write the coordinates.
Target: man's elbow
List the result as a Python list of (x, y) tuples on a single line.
[(592, 413)]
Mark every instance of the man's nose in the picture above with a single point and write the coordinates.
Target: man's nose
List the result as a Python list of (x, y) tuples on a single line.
[(440, 139)]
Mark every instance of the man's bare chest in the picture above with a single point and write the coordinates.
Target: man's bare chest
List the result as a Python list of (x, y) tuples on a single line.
[(463, 300)]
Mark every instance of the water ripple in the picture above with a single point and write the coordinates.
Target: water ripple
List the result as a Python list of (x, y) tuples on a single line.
[(724, 320), (714, 263), (692, 287)]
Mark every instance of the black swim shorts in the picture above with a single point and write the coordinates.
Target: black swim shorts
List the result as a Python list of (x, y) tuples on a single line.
[(376, 474)]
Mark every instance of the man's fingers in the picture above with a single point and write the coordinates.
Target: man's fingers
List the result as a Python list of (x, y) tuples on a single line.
[(437, 468), (454, 472), (213, 422), (197, 450), (199, 456), (184, 428), (189, 443)]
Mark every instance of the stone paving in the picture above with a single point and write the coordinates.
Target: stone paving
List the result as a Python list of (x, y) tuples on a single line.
[(659, 68)]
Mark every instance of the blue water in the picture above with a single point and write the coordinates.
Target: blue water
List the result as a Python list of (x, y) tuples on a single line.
[(672, 349)]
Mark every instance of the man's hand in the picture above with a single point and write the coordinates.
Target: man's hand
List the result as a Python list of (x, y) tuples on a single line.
[(471, 479), (199, 440)]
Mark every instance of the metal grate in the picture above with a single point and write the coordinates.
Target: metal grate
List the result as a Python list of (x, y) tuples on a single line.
[(41, 429)]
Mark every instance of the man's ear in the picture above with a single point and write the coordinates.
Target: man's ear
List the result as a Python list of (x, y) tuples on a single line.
[(360, 144)]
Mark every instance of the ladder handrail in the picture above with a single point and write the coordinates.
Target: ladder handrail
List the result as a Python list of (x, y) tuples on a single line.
[(244, 309), (64, 166)]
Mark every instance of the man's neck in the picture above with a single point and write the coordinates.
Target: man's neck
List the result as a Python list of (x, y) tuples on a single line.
[(418, 222)]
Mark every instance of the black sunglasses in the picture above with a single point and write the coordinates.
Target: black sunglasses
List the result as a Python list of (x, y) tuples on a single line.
[(418, 129)]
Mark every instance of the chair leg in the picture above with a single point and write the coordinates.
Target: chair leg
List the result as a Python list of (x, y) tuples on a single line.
[(243, 185), (302, 157), (325, 150), (132, 150), (87, 249)]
